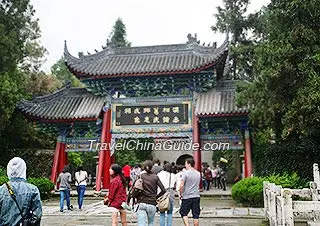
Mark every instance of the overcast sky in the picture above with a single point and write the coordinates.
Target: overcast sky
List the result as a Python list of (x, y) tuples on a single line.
[(86, 24)]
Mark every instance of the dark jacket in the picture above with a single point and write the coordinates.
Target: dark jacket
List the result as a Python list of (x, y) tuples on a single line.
[(151, 182)]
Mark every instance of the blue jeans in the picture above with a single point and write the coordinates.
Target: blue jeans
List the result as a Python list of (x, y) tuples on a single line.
[(64, 194), (169, 216), (81, 189), (146, 214)]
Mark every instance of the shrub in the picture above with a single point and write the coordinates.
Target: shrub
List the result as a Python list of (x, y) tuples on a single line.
[(249, 191), (44, 185), (2, 171), (3, 179)]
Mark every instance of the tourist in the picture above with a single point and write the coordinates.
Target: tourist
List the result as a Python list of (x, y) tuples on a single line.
[(156, 167), (223, 178), (25, 194), (208, 178), (168, 180), (117, 196), (64, 179), (81, 177), (219, 170), (214, 176), (146, 203), (189, 193), (135, 173), (126, 170), (178, 180)]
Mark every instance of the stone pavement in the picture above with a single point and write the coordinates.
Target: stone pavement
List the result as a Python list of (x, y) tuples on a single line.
[(211, 192), (98, 214)]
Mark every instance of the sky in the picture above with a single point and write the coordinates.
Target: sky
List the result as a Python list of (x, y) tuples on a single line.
[(86, 25)]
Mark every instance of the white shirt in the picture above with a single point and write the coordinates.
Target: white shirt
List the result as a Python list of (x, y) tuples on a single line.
[(178, 179), (164, 177), (81, 177)]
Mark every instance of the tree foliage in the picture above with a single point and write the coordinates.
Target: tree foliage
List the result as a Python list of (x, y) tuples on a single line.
[(21, 55), (118, 36), (62, 73), (232, 18), (277, 49), (287, 70)]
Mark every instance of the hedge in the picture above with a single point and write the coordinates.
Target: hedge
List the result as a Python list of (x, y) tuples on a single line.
[(44, 185), (249, 191)]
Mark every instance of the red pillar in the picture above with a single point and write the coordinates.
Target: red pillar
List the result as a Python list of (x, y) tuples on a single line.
[(196, 141), (104, 155), (55, 164), (62, 157), (107, 156), (247, 154)]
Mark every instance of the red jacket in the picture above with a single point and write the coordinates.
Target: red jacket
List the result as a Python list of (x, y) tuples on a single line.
[(126, 170), (117, 193)]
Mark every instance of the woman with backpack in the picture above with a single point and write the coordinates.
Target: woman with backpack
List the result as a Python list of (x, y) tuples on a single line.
[(117, 194), (168, 180), (147, 201)]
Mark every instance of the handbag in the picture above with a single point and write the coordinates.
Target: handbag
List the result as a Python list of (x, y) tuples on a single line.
[(164, 201), (29, 219)]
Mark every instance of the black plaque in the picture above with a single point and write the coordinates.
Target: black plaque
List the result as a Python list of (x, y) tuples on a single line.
[(173, 114)]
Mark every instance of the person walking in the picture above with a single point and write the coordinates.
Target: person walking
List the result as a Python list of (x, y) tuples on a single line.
[(156, 168), (23, 196), (147, 201), (214, 176), (117, 195), (178, 180), (126, 170), (64, 179), (135, 173), (189, 192), (81, 177), (168, 180), (208, 177)]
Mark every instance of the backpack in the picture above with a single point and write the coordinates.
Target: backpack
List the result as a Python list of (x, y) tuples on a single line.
[(136, 189)]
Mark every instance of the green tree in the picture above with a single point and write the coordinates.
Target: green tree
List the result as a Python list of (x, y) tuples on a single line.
[(20, 57), (287, 70), (231, 18), (62, 73), (285, 88), (118, 36)]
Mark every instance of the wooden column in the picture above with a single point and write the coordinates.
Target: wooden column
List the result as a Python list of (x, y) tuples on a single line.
[(247, 154), (62, 157), (107, 156), (104, 155), (55, 164), (196, 140)]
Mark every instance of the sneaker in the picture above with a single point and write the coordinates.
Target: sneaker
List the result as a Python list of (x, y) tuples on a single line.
[(71, 207), (61, 211)]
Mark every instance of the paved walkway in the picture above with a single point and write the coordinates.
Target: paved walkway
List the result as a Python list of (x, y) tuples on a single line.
[(96, 214), (211, 192)]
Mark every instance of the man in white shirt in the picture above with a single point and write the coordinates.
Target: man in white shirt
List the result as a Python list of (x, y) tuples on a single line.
[(81, 177)]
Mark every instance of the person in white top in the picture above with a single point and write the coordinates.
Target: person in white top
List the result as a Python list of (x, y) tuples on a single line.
[(81, 177), (168, 180), (178, 180)]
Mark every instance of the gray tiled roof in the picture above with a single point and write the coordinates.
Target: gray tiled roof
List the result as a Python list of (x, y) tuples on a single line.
[(145, 60), (219, 100), (66, 103)]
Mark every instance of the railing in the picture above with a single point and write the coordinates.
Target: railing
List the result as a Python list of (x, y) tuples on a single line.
[(279, 207)]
